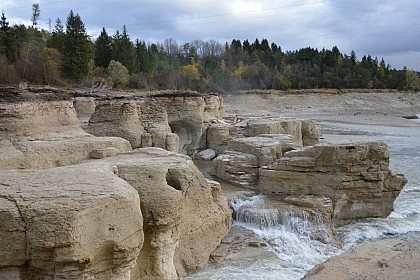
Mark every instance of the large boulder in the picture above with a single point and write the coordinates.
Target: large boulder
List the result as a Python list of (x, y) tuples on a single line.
[(355, 176), (219, 134), (240, 169), (266, 147), (74, 222), (240, 164)]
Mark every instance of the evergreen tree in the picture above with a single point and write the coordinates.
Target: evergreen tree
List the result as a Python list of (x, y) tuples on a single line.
[(58, 36), (7, 42), (143, 58), (77, 49), (103, 49), (123, 50)]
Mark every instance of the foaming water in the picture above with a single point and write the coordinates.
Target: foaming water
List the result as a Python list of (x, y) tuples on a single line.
[(288, 234)]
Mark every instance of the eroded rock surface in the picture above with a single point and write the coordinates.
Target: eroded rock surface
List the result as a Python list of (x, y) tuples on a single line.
[(173, 121), (303, 131), (387, 259), (37, 132), (185, 215), (74, 222), (85, 220), (355, 176)]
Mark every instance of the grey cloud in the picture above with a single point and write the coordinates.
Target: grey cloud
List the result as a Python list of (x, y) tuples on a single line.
[(387, 28)]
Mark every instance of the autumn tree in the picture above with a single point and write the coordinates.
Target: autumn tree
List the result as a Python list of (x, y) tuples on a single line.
[(50, 61), (118, 73)]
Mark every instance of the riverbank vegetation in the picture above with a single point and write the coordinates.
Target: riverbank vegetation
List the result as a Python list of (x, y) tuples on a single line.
[(66, 55)]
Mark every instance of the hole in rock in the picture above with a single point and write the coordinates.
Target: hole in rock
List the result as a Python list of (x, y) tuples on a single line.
[(172, 179)]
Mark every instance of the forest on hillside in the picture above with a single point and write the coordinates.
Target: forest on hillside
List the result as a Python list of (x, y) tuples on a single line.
[(66, 55)]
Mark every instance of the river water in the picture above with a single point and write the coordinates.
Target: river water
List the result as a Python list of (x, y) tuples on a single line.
[(296, 251)]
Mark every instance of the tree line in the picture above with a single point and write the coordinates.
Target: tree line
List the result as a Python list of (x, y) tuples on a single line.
[(67, 55)]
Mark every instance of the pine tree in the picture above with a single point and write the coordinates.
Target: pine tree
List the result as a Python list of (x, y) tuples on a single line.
[(123, 50), (58, 36), (78, 50), (143, 58), (7, 42), (103, 49)]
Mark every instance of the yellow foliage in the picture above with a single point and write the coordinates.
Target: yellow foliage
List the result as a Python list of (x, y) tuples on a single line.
[(190, 72)]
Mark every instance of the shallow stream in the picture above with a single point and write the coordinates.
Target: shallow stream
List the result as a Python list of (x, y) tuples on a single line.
[(296, 251)]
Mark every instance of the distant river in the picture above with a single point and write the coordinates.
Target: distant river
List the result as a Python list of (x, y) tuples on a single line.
[(297, 253)]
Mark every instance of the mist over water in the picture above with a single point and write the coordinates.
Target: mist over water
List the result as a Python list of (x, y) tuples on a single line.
[(288, 234)]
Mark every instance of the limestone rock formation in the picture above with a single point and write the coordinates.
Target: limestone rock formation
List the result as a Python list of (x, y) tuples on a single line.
[(185, 215), (219, 134), (85, 220), (355, 176), (42, 131), (143, 124), (240, 164), (384, 259), (304, 131), (238, 168), (73, 222), (174, 121)]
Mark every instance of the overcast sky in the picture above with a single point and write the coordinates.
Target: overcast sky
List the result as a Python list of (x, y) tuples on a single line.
[(388, 29)]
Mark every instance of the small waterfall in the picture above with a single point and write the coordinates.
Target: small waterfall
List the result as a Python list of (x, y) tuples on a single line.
[(257, 212)]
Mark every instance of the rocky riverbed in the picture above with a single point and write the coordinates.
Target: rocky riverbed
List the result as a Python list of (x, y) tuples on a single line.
[(385, 116), (68, 173)]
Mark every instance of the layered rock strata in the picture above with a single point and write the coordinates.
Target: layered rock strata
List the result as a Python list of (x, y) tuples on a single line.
[(355, 176), (174, 121), (241, 162), (303, 131), (43, 131)]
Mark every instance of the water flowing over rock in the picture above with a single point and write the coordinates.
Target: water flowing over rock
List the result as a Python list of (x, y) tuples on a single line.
[(355, 176)]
